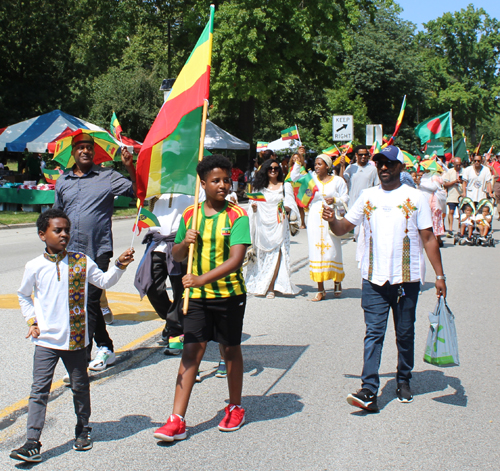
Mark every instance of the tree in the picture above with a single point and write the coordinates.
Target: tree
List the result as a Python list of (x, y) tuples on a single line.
[(461, 52)]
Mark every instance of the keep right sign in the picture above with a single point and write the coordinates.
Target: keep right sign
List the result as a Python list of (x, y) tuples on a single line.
[(343, 128)]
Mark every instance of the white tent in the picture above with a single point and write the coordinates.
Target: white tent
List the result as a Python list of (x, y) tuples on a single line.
[(217, 138), (280, 144)]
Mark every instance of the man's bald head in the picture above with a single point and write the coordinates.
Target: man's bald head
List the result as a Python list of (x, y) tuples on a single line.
[(457, 162)]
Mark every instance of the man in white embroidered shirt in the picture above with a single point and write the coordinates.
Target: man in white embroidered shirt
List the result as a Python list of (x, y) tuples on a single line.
[(397, 225)]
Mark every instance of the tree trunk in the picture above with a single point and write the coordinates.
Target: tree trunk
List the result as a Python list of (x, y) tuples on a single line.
[(246, 126)]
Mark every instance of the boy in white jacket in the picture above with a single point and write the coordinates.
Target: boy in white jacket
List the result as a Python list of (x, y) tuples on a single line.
[(57, 320)]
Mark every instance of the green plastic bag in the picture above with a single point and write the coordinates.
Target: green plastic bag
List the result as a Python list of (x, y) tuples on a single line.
[(442, 345)]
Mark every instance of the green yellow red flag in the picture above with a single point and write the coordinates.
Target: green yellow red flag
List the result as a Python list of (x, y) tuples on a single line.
[(115, 127), (146, 219), (290, 133), (168, 158)]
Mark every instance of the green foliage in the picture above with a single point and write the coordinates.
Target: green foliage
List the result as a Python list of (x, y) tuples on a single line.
[(133, 94), (461, 52)]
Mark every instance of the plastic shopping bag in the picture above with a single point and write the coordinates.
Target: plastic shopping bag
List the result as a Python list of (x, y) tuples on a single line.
[(442, 346)]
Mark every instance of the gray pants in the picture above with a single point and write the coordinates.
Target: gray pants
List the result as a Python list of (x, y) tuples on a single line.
[(44, 364)]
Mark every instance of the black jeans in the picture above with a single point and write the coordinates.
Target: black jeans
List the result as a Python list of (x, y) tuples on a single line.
[(170, 311), (96, 325)]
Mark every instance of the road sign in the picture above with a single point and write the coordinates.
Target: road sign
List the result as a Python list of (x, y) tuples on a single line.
[(373, 133), (342, 128)]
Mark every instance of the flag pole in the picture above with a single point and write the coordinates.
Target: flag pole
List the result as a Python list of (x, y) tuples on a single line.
[(298, 134), (194, 221), (451, 131), (135, 225)]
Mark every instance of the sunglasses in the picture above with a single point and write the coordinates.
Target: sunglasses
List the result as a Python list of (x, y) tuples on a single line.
[(273, 169), (475, 161), (387, 163)]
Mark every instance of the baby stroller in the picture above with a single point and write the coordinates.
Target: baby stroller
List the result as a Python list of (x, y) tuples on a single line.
[(462, 205), (487, 240)]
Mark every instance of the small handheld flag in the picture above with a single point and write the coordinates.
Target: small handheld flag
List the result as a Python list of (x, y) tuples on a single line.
[(290, 133), (262, 146), (146, 219), (115, 127), (256, 196), (51, 176)]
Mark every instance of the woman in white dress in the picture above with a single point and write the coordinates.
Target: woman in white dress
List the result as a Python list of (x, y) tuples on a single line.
[(325, 249), (269, 270)]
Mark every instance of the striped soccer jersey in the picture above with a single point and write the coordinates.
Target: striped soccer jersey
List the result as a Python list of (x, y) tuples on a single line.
[(217, 234)]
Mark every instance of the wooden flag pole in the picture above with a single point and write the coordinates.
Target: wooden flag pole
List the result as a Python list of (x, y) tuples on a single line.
[(194, 221), (451, 132)]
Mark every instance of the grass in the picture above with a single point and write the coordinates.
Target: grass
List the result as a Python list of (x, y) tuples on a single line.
[(9, 218)]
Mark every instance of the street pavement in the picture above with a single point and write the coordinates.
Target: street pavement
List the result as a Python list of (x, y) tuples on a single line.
[(301, 361)]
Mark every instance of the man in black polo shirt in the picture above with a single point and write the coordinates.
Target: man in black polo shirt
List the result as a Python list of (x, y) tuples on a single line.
[(86, 194)]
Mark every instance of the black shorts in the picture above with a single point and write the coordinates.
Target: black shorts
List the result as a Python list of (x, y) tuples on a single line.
[(219, 319), (452, 206)]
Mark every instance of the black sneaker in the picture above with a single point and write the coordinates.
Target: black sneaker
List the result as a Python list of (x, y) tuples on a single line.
[(365, 399), (30, 452), (404, 393), (84, 441)]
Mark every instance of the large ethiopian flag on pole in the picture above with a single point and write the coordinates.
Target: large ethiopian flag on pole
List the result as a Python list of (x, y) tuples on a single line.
[(168, 158)]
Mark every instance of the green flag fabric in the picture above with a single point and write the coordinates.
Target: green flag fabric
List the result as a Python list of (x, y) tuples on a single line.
[(460, 150), (439, 126)]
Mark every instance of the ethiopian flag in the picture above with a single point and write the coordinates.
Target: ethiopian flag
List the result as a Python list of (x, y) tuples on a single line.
[(304, 193), (440, 126), (146, 219), (389, 142), (290, 133), (115, 127), (168, 158), (256, 196), (376, 148), (51, 176), (262, 146)]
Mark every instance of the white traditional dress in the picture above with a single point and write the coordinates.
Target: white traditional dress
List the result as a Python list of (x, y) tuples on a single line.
[(325, 249), (270, 233)]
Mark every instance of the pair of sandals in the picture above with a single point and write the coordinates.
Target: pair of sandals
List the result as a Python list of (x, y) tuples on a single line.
[(337, 292)]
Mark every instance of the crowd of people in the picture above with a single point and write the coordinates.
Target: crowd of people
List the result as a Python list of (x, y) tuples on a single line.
[(393, 216)]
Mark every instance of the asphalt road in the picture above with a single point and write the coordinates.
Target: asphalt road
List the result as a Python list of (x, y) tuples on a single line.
[(301, 360)]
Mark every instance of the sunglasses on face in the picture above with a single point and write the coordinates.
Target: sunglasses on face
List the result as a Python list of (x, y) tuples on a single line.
[(387, 163), (273, 169), (476, 161), (363, 155)]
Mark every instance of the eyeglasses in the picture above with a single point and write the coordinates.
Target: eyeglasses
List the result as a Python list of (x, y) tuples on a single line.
[(387, 163), (273, 169)]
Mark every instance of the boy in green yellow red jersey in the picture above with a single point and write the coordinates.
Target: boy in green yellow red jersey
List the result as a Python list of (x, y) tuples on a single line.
[(217, 293)]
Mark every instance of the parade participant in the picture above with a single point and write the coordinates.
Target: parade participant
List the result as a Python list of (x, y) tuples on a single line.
[(431, 186), (217, 293), (325, 249), (359, 175), (57, 319), (86, 194), (157, 264), (299, 158), (269, 270), (476, 181), (483, 222), (397, 223), (452, 182)]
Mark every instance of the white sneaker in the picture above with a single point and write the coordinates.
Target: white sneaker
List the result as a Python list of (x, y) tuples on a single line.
[(102, 360), (108, 315)]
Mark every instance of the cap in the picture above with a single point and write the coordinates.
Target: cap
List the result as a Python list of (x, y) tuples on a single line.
[(81, 137), (391, 152)]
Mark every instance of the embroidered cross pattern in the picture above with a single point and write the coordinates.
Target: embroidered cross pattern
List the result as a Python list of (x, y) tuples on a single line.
[(408, 209)]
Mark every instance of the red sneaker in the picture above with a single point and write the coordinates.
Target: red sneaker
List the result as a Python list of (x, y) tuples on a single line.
[(234, 419), (174, 429)]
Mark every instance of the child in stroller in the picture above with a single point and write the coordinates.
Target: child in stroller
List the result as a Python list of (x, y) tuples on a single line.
[(466, 210), (483, 223)]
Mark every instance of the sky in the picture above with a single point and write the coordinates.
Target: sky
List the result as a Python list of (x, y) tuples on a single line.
[(421, 11)]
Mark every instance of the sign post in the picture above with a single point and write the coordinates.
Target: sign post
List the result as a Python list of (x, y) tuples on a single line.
[(343, 128)]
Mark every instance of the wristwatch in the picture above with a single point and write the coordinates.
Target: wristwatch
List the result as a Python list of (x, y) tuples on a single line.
[(439, 277)]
